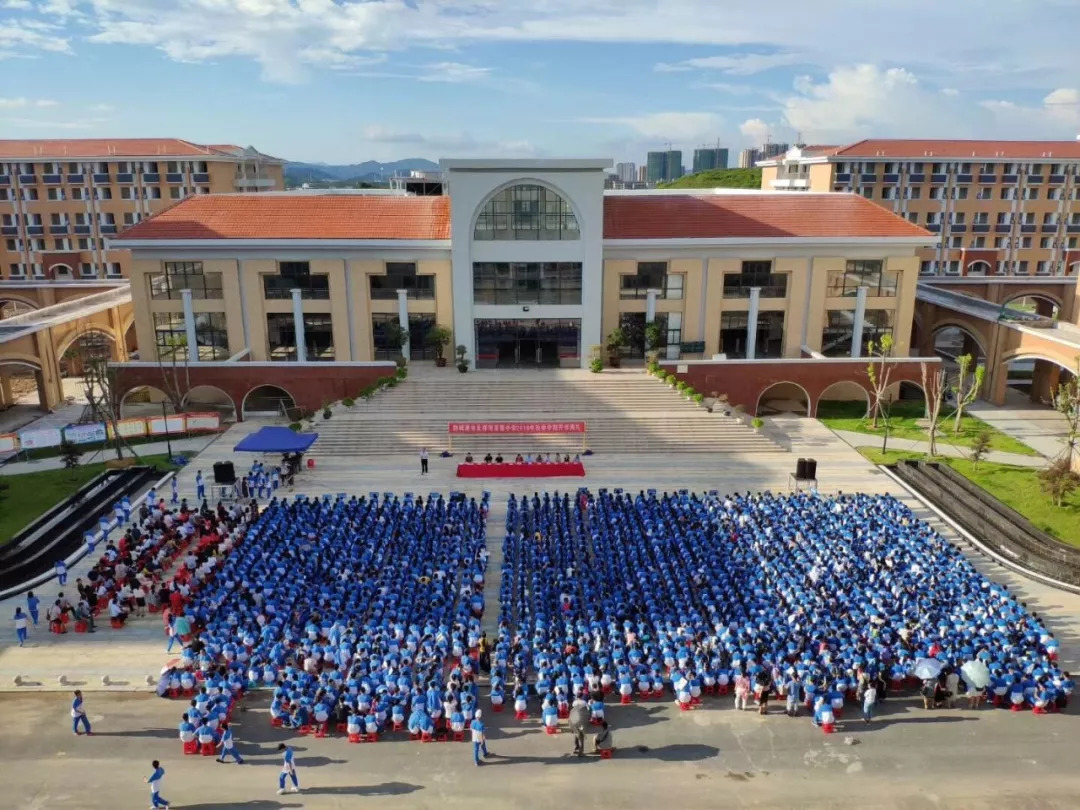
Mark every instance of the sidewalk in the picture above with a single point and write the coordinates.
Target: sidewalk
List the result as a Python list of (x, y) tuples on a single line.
[(943, 448), (1041, 428), (189, 447)]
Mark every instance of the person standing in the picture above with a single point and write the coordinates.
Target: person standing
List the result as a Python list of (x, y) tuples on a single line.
[(868, 701), (154, 780), (423, 461), (288, 770), (175, 491), (20, 626), (228, 746), (200, 487), (61, 572), (479, 738), (793, 693), (32, 603), (78, 715), (579, 720)]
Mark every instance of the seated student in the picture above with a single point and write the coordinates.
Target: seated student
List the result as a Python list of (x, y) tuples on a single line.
[(596, 709), (550, 714), (519, 459), (205, 735), (187, 730), (603, 741), (528, 458), (397, 714), (420, 722), (577, 458), (354, 724), (487, 458), (498, 695), (566, 459), (457, 721), (499, 458), (468, 458), (116, 612)]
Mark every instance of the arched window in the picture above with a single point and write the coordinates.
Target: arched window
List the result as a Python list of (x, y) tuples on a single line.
[(526, 211)]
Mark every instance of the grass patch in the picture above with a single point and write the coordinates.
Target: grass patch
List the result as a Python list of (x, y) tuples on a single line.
[(31, 494), (906, 423), (1016, 487)]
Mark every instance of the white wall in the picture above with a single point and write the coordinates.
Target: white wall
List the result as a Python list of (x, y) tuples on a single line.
[(581, 183)]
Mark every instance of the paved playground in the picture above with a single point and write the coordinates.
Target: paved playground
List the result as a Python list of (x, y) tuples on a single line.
[(908, 758)]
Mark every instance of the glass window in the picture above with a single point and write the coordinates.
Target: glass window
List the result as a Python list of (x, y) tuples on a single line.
[(755, 274), (527, 283), (770, 335), (211, 336), (402, 276), (319, 337), (870, 273), (296, 275), (733, 334), (526, 212), (649, 276), (840, 328), (280, 336), (876, 324), (170, 337), (179, 276)]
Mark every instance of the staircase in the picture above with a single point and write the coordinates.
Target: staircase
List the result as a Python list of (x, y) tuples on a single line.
[(625, 412)]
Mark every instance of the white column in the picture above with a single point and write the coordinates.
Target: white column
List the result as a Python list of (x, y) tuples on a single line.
[(751, 323), (189, 327), (298, 324), (650, 305), (857, 324), (403, 317)]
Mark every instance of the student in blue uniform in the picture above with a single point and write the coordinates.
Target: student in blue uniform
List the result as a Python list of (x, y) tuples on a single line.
[(154, 780), (175, 491), (228, 746), (32, 603), (78, 715), (288, 770), (61, 572), (479, 738), (20, 626), (200, 487)]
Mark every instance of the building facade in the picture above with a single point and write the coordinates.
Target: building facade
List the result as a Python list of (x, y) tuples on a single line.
[(529, 263), (708, 158), (999, 208), (626, 172), (663, 167)]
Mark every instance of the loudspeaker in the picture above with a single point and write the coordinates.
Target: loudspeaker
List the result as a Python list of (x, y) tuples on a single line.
[(811, 468), (800, 470), (224, 473)]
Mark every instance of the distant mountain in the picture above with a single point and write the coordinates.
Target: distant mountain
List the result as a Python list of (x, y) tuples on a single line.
[(370, 171)]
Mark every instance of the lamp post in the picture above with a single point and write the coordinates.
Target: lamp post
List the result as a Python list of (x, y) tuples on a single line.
[(168, 437)]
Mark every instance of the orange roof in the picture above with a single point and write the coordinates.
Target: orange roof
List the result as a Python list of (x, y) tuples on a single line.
[(733, 216), (65, 148), (298, 216), (979, 150)]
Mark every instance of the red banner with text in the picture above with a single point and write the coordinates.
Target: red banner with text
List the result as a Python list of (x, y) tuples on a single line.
[(495, 428)]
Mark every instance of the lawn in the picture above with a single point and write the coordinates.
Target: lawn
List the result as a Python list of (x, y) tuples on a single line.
[(906, 423), (30, 494), (1017, 487)]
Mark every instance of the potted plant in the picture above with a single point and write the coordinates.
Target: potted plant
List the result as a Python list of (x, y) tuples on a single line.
[(326, 412), (596, 359), (438, 338), (348, 402), (616, 340), (699, 398), (671, 380), (398, 339), (654, 339), (462, 360), (756, 423)]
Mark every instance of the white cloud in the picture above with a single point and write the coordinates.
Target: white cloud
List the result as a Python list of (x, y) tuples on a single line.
[(453, 72), (677, 127), (754, 131), (17, 5), (950, 91), (448, 143), (22, 37), (742, 64), (19, 103), (731, 88)]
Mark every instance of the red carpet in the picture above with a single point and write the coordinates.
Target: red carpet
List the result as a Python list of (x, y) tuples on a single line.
[(559, 470)]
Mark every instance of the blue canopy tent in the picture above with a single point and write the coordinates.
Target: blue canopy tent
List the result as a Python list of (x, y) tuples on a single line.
[(277, 440)]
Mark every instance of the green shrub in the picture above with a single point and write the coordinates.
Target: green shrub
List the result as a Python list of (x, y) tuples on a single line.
[(757, 422), (670, 379), (295, 427), (699, 398), (596, 365)]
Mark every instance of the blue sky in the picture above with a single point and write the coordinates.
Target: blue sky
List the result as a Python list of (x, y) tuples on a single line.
[(351, 80)]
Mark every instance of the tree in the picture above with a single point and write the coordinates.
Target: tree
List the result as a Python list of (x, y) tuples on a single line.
[(1059, 481), (933, 384), (439, 337), (879, 370), (980, 446), (71, 454), (969, 380), (1066, 401), (175, 371), (654, 338)]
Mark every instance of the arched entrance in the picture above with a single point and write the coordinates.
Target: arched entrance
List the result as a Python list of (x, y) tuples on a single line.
[(10, 307), (978, 268), (845, 399), (267, 400), (783, 397), (145, 401), (210, 398), (1035, 376), (22, 385), (952, 341), (89, 345), (1035, 304)]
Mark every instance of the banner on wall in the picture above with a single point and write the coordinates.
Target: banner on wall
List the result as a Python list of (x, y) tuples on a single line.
[(490, 428), (203, 421), (131, 428), (85, 434), (43, 437), (7, 442), (159, 425)]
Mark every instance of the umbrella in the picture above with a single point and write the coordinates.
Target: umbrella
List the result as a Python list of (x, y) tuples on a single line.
[(976, 674), (927, 669)]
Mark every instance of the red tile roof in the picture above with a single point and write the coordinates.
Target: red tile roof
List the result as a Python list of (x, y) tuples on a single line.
[(298, 216), (978, 150), (68, 148), (732, 216)]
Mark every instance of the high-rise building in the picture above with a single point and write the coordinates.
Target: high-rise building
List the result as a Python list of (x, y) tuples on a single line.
[(626, 172), (1002, 208), (674, 168), (664, 167), (707, 158), (748, 157), (771, 150), (643, 174)]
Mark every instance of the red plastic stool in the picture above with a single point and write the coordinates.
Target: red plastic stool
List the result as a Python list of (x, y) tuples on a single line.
[(342, 728), (116, 624), (207, 749), (459, 736), (497, 707), (413, 735), (426, 737), (564, 713), (551, 729), (305, 729), (355, 738), (828, 728), (373, 736), (721, 689), (685, 706), (625, 700), (276, 722), (521, 715), (191, 747), (605, 753), (81, 626), (311, 464), (322, 730)]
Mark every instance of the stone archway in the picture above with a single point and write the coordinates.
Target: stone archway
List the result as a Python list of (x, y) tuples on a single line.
[(267, 400), (845, 398), (145, 401), (979, 267), (18, 379), (210, 398), (783, 397), (76, 348), (1034, 374), (952, 339), (1036, 303)]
